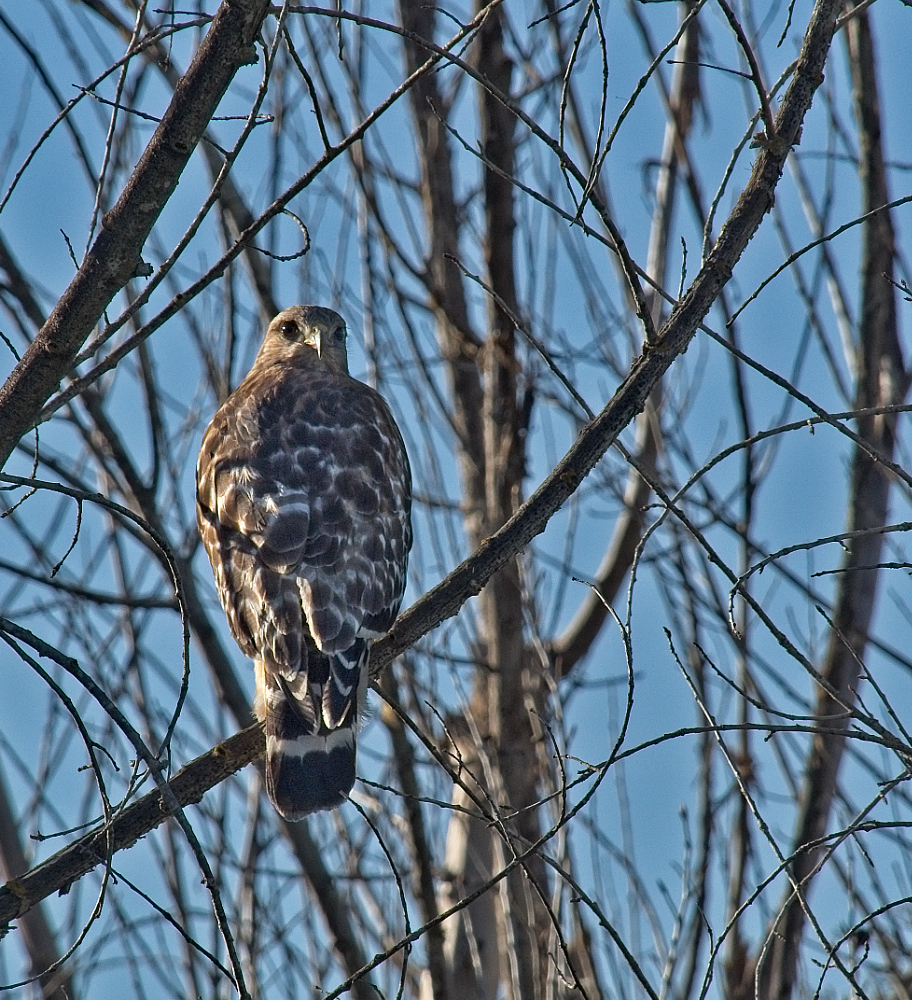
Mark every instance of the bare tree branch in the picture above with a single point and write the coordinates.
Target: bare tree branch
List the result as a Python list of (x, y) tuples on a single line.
[(116, 254), (189, 784)]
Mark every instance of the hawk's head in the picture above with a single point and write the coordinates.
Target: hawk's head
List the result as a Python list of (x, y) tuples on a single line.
[(309, 328)]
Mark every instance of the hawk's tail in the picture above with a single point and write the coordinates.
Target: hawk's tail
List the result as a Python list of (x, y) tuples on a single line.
[(310, 772), (310, 749)]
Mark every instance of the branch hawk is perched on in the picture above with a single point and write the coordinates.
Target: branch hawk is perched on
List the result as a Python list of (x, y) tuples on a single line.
[(303, 504)]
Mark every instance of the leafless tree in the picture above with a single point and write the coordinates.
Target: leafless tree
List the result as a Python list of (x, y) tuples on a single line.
[(643, 728)]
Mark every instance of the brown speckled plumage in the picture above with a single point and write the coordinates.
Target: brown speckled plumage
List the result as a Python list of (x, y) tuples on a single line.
[(303, 505)]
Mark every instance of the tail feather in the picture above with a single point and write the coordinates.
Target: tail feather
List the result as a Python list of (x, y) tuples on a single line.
[(310, 735), (343, 691), (310, 773)]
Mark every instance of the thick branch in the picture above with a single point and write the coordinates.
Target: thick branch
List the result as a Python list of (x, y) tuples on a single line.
[(116, 253), (189, 785)]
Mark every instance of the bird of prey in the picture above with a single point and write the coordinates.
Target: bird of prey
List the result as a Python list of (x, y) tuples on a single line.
[(304, 508)]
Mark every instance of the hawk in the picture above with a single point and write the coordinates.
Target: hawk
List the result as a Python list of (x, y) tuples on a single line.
[(303, 502)]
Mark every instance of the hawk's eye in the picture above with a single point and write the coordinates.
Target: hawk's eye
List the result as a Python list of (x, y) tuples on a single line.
[(339, 335), (289, 329)]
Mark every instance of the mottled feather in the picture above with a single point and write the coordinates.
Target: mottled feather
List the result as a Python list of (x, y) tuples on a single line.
[(303, 505)]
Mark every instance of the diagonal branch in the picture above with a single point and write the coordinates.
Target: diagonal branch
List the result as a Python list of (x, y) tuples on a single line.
[(116, 253), (189, 785)]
